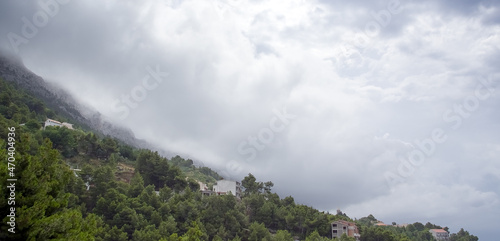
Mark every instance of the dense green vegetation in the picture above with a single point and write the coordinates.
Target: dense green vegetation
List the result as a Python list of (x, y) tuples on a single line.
[(416, 231), (118, 192)]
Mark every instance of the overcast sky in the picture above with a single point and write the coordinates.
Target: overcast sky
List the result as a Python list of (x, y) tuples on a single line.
[(374, 107)]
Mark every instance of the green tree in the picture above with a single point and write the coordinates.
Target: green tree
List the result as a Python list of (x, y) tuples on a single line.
[(146, 234), (194, 233), (103, 179), (136, 185), (33, 125), (115, 234), (266, 213), (267, 187), (283, 235), (64, 225), (127, 152), (259, 232), (193, 184), (126, 218), (314, 236), (344, 237), (156, 171), (253, 203), (222, 211), (463, 235), (251, 185), (42, 203), (168, 227), (109, 146), (63, 139), (376, 233), (165, 193), (419, 226)]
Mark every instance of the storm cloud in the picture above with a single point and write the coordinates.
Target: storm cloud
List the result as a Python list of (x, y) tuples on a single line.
[(384, 107)]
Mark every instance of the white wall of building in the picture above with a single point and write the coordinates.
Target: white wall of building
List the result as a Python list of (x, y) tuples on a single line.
[(226, 186)]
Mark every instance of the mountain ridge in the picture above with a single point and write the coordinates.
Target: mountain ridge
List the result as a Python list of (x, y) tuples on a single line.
[(12, 69)]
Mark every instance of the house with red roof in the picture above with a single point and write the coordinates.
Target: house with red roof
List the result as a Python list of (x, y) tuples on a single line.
[(440, 234)]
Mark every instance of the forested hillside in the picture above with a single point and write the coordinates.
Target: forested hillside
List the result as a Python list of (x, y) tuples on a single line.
[(77, 185)]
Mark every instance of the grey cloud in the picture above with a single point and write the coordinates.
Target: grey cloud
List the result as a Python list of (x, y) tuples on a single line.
[(231, 63), (466, 7)]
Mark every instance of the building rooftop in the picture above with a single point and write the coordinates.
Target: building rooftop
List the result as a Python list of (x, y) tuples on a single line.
[(344, 222), (438, 230), (50, 120)]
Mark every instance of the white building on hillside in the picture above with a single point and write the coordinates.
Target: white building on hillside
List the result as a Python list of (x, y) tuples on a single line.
[(50, 122), (68, 125), (440, 234), (225, 186)]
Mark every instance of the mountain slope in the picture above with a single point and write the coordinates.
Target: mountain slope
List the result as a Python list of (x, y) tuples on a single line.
[(13, 70)]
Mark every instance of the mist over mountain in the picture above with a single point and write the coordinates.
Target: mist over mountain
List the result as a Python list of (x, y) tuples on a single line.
[(12, 69)]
